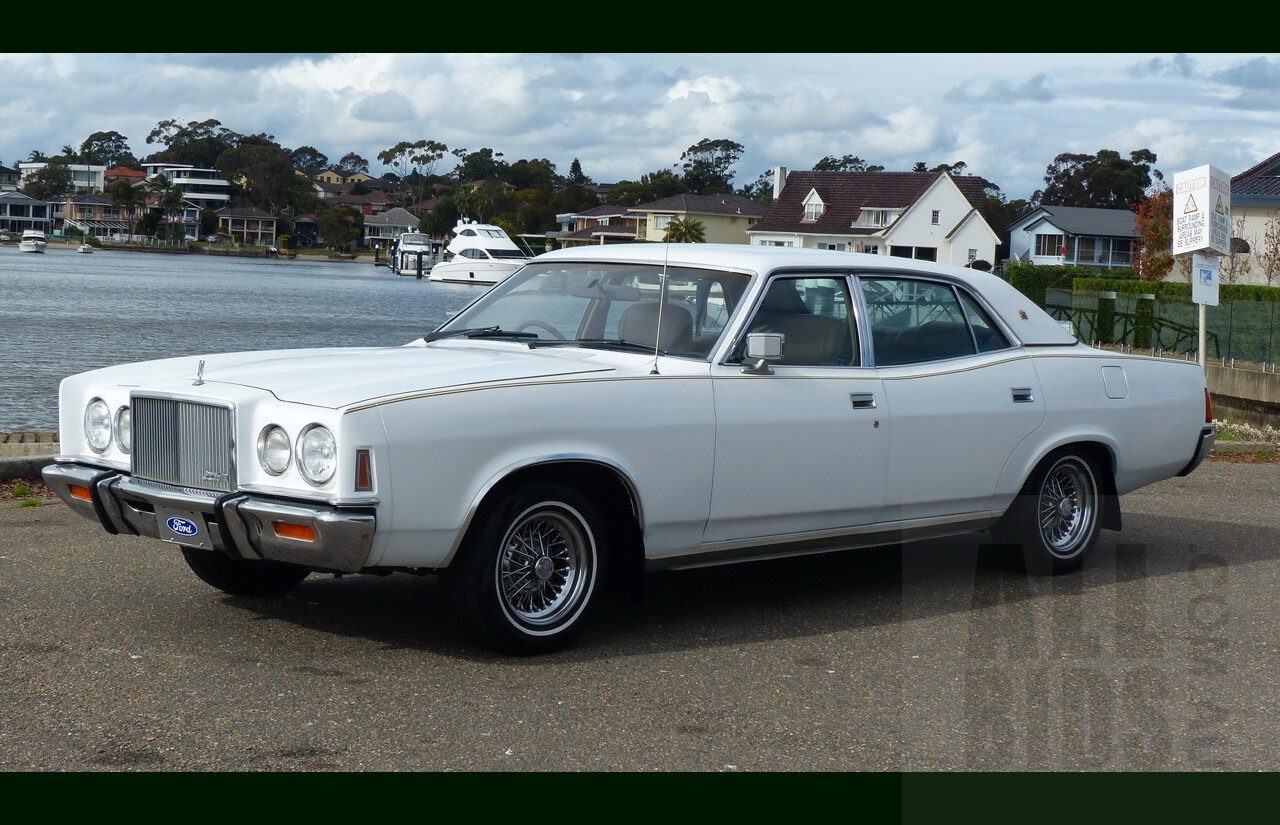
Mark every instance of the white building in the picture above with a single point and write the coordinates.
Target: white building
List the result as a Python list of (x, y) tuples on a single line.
[(1074, 236), (87, 178), (928, 216), (202, 188)]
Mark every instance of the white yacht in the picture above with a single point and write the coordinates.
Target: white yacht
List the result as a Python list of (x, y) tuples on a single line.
[(33, 240), (480, 253), (413, 253)]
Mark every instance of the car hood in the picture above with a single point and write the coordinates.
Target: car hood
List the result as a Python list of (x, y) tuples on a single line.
[(339, 377)]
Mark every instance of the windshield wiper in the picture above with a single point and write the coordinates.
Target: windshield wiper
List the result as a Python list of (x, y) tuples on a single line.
[(606, 343), (477, 332)]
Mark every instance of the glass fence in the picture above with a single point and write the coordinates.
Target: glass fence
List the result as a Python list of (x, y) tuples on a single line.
[(1234, 330)]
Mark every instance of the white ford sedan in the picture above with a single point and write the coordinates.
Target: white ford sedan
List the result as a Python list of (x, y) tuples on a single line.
[(631, 407)]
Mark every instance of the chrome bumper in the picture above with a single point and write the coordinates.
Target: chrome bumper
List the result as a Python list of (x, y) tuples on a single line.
[(241, 525), (1207, 439)]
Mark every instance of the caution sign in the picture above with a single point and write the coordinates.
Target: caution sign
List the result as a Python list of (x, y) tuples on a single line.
[(1202, 211)]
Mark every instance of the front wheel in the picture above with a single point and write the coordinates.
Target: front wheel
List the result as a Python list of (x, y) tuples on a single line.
[(242, 578), (1054, 522), (529, 570)]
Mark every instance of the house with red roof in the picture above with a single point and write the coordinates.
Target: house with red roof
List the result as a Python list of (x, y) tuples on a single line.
[(929, 216)]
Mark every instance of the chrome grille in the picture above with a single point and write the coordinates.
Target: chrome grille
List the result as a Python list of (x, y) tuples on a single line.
[(184, 443)]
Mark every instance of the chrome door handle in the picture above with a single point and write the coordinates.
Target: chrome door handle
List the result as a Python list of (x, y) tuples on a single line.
[(862, 400), (1022, 395)]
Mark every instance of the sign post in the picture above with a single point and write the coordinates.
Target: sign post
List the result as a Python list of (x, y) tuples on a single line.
[(1202, 226)]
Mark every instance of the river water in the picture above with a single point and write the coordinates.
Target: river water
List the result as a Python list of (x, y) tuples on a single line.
[(62, 313)]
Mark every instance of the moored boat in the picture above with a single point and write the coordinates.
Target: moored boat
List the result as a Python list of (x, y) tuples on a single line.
[(480, 253), (413, 253), (33, 240)]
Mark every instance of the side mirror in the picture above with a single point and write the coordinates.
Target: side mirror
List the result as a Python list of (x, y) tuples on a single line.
[(763, 347)]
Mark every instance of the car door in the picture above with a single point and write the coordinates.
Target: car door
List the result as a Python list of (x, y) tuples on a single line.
[(801, 447), (960, 394)]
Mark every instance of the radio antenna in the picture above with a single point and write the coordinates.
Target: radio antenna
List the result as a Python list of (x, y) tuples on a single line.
[(662, 302)]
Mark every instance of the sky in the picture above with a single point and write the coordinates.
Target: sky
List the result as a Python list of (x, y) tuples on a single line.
[(623, 115)]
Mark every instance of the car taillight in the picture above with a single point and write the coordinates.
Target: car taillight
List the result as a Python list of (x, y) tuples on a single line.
[(1208, 407)]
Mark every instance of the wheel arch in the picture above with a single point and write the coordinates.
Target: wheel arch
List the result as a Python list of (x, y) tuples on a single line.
[(1102, 454), (605, 484)]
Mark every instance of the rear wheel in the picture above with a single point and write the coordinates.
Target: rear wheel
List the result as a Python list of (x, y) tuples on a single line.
[(242, 578), (1055, 520), (529, 570)]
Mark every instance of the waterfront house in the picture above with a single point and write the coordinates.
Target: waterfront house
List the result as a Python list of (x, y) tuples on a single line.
[(91, 215), (85, 177), (725, 218), (370, 203), (9, 179), (381, 229), (930, 216), (247, 225), (201, 188), (1074, 236), (19, 211), (599, 225)]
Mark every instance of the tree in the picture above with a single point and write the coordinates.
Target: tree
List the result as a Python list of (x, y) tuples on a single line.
[(1267, 251), (127, 197), (474, 200), (1235, 266), (441, 219), (338, 226), (108, 149), (848, 163), (1102, 181), (482, 164), (52, 183), (685, 230), (413, 162), (168, 196), (707, 166), (352, 163), (576, 177), (309, 160), (651, 187), (267, 173), (761, 189), (1153, 223), (197, 143), (535, 173)]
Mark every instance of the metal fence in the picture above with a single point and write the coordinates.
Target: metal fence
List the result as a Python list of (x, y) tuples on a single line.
[(1235, 331)]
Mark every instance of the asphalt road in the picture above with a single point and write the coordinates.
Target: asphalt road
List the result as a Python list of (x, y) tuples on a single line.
[(1161, 655)]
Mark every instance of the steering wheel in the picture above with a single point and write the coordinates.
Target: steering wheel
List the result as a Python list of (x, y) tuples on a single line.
[(555, 333)]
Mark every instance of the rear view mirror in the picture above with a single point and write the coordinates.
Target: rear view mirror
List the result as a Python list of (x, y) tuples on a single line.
[(763, 347)]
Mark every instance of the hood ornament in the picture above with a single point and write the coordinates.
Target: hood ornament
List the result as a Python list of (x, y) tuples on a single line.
[(199, 374)]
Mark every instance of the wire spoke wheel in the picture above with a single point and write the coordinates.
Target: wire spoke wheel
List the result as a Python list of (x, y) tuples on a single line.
[(1067, 510), (528, 574), (543, 566)]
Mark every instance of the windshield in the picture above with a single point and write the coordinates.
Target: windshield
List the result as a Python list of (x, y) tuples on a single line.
[(608, 305)]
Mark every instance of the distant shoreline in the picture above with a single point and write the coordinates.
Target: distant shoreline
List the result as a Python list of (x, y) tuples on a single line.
[(222, 250)]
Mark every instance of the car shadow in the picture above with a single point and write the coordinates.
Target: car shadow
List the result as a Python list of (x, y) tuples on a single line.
[(787, 598)]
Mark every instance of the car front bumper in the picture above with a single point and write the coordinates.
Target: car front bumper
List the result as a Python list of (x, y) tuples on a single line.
[(241, 525)]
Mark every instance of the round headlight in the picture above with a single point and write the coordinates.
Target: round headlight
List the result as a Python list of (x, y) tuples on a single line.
[(274, 449), (317, 454), (124, 429), (97, 425)]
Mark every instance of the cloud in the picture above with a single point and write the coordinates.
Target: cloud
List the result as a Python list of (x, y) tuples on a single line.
[(384, 107), (998, 90), (1180, 65)]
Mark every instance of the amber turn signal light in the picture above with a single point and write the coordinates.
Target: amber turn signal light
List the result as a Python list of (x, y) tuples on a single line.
[(301, 532), (79, 492)]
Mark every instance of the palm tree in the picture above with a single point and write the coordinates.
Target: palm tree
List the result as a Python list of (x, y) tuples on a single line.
[(127, 197), (169, 195), (685, 230)]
